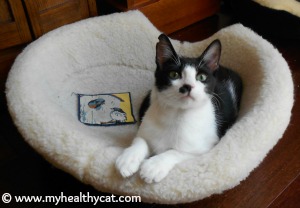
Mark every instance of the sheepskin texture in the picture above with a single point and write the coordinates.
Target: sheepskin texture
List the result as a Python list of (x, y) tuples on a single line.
[(116, 53), (291, 6)]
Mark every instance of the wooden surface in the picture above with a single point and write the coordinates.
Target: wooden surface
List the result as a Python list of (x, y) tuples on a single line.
[(170, 15), (48, 15), (92, 8), (275, 183), (14, 29), (7, 57)]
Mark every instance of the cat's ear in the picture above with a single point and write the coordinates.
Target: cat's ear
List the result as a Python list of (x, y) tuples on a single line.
[(165, 52), (211, 55)]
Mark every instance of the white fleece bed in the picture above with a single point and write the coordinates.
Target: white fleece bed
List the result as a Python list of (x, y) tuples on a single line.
[(116, 53)]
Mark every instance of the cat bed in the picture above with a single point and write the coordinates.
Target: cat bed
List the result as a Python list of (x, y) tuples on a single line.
[(274, 18), (116, 54)]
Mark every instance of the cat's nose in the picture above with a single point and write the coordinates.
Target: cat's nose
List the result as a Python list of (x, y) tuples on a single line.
[(185, 89)]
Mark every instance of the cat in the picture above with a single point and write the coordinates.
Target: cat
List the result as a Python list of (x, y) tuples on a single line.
[(191, 106)]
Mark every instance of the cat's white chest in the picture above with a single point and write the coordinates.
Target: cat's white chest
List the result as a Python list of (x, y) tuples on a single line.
[(192, 131)]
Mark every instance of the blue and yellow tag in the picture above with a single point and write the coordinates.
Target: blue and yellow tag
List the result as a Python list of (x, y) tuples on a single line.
[(105, 109)]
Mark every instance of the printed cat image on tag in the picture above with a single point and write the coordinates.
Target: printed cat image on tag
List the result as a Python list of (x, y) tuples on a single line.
[(105, 109)]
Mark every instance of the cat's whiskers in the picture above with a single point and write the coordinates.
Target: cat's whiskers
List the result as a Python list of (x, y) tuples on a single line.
[(217, 99), (217, 102), (219, 120)]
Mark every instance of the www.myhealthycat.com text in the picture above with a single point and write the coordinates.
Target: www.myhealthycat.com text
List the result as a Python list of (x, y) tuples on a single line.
[(62, 198)]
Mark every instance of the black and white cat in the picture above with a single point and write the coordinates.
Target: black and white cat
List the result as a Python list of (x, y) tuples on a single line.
[(193, 103)]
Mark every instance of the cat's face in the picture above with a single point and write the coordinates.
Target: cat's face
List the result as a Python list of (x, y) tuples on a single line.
[(185, 82)]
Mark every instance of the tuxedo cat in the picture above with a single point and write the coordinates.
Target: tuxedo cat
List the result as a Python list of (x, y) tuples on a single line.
[(192, 104)]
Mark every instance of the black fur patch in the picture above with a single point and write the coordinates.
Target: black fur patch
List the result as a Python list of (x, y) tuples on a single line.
[(225, 108)]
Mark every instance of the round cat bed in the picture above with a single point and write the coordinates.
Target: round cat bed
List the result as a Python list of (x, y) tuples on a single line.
[(116, 53)]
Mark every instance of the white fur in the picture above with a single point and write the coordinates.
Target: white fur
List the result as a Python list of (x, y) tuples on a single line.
[(176, 127), (115, 53)]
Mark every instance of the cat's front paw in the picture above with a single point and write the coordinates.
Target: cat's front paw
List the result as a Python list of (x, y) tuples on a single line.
[(155, 169), (129, 162)]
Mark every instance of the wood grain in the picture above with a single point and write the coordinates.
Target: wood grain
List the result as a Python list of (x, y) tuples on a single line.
[(14, 29), (93, 8), (289, 197), (48, 15), (133, 4), (5, 14), (125, 5), (169, 15)]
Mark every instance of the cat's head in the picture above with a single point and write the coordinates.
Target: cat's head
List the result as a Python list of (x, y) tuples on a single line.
[(185, 82)]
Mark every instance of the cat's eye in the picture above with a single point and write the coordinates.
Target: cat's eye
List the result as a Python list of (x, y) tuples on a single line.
[(201, 77), (174, 75)]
